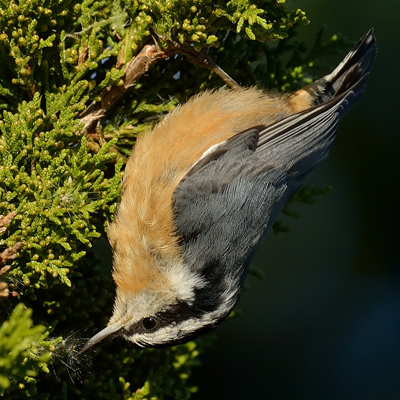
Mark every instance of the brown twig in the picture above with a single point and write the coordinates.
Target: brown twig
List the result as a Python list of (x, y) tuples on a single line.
[(135, 68), (204, 60)]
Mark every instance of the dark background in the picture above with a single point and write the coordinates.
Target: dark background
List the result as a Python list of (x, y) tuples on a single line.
[(325, 323)]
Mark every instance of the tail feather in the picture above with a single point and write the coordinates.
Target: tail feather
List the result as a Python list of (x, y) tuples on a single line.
[(352, 70), (299, 142)]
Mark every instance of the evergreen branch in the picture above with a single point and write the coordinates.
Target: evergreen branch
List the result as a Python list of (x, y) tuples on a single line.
[(139, 65)]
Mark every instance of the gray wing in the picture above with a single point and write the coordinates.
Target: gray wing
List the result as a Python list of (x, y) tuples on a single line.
[(232, 196), (222, 209), (229, 200)]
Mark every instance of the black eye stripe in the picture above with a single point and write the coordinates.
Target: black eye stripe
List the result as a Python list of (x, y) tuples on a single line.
[(176, 313)]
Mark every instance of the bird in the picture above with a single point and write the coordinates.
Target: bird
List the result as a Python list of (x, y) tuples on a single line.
[(202, 189)]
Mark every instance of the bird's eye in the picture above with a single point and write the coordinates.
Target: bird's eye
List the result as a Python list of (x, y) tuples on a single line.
[(149, 323)]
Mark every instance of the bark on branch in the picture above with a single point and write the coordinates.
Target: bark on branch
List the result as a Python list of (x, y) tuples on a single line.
[(134, 70)]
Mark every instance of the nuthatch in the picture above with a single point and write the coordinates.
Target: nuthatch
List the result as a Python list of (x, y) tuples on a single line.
[(203, 188)]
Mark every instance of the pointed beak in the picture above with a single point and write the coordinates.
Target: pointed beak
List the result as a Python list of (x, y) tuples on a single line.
[(109, 331)]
